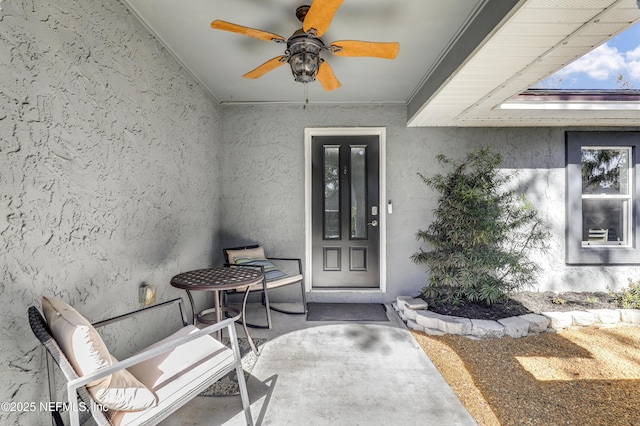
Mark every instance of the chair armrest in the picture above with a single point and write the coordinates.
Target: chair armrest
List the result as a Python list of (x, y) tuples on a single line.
[(150, 353), (285, 258), (295, 259), (119, 318)]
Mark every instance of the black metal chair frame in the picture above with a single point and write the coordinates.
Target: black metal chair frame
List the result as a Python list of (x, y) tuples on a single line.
[(265, 284)]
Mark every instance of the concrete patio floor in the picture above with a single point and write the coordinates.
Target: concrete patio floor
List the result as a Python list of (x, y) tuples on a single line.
[(332, 373)]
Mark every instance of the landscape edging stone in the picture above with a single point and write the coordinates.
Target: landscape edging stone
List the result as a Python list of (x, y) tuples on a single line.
[(412, 312)]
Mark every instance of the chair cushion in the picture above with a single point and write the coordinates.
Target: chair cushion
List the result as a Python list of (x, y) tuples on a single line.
[(257, 252), (271, 273), (87, 353), (123, 392), (156, 371), (78, 339), (189, 366)]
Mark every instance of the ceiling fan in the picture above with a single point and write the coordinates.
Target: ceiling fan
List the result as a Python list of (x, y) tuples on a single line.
[(305, 47)]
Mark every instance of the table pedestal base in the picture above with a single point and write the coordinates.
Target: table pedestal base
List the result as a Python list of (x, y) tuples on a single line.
[(202, 315), (217, 280)]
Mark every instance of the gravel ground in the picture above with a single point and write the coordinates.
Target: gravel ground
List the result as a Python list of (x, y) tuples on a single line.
[(582, 376)]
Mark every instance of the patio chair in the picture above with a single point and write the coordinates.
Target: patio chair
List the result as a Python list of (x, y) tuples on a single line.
[(144, 388), (253, 256)]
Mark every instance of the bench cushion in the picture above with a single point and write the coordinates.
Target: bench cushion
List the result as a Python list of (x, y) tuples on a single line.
[(187, 369), (87, 353)]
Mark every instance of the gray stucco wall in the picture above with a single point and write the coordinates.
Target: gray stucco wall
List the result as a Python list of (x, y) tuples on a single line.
[(108, 175), (263, 187)]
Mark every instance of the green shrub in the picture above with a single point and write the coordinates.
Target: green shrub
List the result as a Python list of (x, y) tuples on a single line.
[(591, 300), (480, 234), (628, 298)]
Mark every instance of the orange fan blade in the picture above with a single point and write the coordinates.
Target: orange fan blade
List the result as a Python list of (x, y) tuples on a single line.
[(320, 15), (365, 48), (270, 65), (251, 32), (327, 78)]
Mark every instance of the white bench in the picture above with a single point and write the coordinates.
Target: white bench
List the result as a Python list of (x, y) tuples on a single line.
[(176, 369)]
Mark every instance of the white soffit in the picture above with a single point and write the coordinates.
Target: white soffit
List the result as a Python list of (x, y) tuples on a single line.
[(538, 38)]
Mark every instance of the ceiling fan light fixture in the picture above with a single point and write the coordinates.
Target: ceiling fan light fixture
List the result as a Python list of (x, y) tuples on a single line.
[(304, 47), (304, 57)]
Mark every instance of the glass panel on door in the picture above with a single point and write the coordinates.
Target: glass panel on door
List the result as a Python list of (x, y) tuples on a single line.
[(331, 193), (358, 161)]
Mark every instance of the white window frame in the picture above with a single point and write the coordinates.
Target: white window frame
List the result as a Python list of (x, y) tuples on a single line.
[(628, 211)]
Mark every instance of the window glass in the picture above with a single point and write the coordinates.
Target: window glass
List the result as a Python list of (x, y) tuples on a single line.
[(605, 171), (605, 221)]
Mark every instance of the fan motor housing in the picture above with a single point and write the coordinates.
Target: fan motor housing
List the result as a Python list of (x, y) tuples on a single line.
[(304, 56)]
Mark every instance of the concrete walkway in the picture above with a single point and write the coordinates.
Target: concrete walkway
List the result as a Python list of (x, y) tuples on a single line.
[(325, 373)]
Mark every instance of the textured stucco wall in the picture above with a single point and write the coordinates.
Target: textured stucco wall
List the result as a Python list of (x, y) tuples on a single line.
[(263, 186), (108, 174)]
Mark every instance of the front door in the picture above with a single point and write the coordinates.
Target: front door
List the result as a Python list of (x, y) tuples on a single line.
[(345, 215)]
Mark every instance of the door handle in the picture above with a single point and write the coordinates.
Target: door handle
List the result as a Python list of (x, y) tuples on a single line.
[(373, 223)]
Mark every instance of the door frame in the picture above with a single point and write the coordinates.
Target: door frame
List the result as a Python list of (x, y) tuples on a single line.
[(381, 132)]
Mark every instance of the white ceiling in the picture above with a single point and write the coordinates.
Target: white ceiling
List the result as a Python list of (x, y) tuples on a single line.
[(458, 59), (218, 59)]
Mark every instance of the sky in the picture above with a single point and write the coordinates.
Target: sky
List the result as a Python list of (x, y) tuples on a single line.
[(601, 68)]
